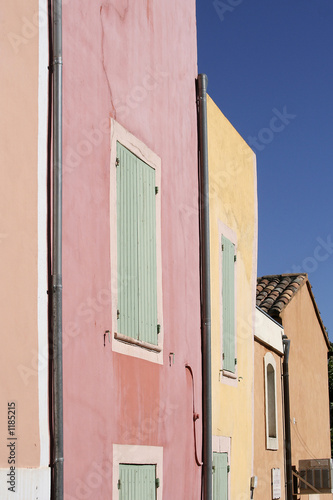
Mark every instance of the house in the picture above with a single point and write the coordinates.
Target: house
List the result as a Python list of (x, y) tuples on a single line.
[(289, 300), (25, 454), (130, 251), (269, 436), (233, 243)]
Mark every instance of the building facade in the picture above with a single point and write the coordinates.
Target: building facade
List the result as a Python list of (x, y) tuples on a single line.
[(290, 301), (233, 238), (131, 286), (269, 436), (25, 453), (131, 250)]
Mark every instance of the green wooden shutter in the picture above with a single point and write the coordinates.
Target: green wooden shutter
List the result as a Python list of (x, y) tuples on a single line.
[(220, 476), (127, 242), (228, 304), (137, 482), (147, 253), (136, 247)]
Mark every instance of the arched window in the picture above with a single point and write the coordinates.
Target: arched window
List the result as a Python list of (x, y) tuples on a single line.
[(270, 402)]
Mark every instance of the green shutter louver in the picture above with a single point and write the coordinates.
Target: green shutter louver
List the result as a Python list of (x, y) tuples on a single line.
[(220, 476), (136, 248), (137, 482), (228, 304)]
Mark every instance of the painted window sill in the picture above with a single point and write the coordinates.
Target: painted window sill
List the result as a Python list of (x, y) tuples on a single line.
[(272, 444), (228, 374), (129, 340)]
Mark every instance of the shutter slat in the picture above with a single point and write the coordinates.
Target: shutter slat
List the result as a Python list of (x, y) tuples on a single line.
[(228, 304)]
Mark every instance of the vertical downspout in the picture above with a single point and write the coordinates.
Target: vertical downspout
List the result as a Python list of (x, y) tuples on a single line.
[(289, 473), (207, 453), (57, 388)]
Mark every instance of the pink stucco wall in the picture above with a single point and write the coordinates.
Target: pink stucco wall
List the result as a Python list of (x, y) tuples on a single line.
[(135, 62)]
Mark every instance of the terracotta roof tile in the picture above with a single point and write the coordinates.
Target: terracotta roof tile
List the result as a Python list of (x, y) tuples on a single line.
[(275, 292)]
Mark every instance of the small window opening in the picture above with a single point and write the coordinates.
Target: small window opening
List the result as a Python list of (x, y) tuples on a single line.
[(271, 401)]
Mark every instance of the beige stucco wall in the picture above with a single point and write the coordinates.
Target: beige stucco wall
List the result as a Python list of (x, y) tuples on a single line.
[(233, 205), (308, 379), (265, 460), (18, 228)]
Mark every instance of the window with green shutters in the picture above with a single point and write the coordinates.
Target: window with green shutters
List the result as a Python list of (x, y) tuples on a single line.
[(137, 482), (136, 248), (220, 476), (228, 305)]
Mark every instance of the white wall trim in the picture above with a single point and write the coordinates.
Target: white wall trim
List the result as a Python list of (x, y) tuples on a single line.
[(272, 443), (137, 147), (42, 239), (136, 454), (30, 484), (268, 331)]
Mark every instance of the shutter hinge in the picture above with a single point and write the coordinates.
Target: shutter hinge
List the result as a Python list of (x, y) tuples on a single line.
[(118, 314), (157, 482), (213, 468), (222, 355), (117, 162), (158, 329), (222, 247), (228, 468), (235, 258), (156, 189), (235, 361), (118, 484)]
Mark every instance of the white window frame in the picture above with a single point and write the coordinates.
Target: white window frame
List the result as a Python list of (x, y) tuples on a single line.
[(137, 455), (272, 443), (121, 344), (226, 376), (222, 444)]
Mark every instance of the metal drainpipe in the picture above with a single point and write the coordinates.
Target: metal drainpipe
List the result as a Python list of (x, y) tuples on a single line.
[(289, 473), (57, 385), (207, 453)]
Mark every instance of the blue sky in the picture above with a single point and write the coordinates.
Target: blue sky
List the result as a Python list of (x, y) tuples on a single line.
[(262, 59)]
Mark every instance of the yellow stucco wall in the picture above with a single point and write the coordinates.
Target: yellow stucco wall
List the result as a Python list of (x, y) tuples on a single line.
[(18, 228), (233, 203)]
